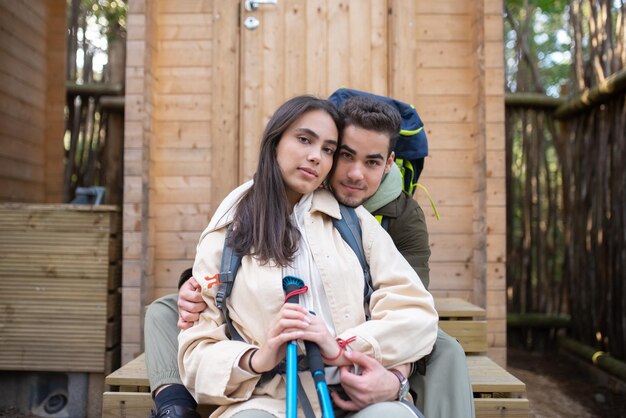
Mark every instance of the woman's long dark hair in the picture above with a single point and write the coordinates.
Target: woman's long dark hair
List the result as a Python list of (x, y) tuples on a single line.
[(262, 226)]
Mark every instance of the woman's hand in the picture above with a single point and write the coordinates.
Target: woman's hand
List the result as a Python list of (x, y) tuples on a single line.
[(318, 333), (290, 324)]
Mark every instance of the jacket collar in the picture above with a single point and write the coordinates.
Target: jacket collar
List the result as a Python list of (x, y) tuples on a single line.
[(323, 201)]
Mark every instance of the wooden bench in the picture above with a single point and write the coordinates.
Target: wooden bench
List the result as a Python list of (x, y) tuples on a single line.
[(497, 393), (464, 321)]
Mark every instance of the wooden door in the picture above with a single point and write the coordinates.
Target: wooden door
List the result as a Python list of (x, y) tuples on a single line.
[(306, 46)]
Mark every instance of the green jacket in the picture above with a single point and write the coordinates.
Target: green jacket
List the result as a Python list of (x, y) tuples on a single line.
[(407, 228)]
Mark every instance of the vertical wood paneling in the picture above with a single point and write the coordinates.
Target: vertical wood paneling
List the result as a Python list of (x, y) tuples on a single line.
[(295, 70), (55, 100), (217, 83), (307, 46), (22, 102), (317, 55), (139, 134), (438, 63), (495, 175), (194, 159), (225, 81), (252, 115)]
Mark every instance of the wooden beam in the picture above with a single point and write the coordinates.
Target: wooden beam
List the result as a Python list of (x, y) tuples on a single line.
[(535, 100), (604, 91), (96, 89)]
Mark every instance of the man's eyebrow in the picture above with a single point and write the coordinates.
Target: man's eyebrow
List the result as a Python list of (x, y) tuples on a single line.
[(369, 157)]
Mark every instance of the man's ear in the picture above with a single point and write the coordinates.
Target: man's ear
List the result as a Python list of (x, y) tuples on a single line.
[(389, 162)]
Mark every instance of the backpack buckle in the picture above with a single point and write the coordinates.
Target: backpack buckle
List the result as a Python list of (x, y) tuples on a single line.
[(225, 280), (220, 297)]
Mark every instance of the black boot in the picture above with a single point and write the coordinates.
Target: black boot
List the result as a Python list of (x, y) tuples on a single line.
[(175, 411)]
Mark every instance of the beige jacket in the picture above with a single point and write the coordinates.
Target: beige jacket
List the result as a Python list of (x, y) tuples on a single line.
[(402, 329)]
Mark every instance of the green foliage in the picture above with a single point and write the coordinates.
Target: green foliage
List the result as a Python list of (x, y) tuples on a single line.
[(544, 26), (110, 16)]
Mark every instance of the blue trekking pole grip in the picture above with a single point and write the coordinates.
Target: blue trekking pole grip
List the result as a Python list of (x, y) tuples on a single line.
[(316, 366), (291, 284)]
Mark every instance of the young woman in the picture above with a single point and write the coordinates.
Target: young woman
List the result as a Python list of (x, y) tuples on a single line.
[(282, 225)]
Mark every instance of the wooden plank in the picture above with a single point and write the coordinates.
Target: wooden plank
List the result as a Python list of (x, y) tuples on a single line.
[(17, 148), (9, 126), (186, 217), (451, 247), (171, 245), (189, 80), (458, 308), (403, 54), (440, 108), (457, 220), (25, 19), (192, 195), (444, 7), (486, 376), (32, 34), (185, 6), (451, 276), (438, 28), (472, 335), (184, 107), (181, 19), (20, 190), (195, 134), (462, 168), (126, 404), (444, 54), (14, 66), (184, 53), (444, 191), (59, 288), (17, 170), (445, 81), (293, 55), (13, 86), (225, 108), (501, 408), (315, 44), (338, 49), (132, 373), (358, 45)]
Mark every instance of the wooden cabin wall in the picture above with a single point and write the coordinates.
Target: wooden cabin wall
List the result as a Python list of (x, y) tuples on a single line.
[(449, 64), (199, 90), (32, 98)]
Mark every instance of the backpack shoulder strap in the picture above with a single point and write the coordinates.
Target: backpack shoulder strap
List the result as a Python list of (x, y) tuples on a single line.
[(350, 230), (348, 227), (230, 264)]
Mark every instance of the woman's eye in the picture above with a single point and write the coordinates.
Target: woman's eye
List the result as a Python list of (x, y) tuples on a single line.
[(304, 140), (329, 151)]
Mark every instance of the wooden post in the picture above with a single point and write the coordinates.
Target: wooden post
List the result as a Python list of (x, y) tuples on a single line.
[(114, 147)]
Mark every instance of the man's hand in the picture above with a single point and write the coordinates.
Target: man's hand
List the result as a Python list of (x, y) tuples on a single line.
[(374, 384), (190, 303)]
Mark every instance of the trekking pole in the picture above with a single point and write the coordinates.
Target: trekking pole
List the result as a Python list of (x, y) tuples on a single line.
[(316, 366), (292, 285)]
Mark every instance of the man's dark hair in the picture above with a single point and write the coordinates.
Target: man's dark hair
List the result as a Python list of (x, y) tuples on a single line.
[(262, 225), (374, 115)]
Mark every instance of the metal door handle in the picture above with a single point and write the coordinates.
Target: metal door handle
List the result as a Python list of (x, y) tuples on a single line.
[(252, 5)]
